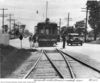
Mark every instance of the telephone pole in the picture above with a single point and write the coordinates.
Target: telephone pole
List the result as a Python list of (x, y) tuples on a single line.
[(59, 24), (10, 19), (3, 15), (68, 19), (14, 22), (59, 29), (86, 23)]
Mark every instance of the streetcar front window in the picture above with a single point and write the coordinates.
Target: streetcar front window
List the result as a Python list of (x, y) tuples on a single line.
[(47, 31), (42, 31)]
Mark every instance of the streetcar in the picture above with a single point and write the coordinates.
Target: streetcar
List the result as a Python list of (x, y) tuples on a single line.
[(47, 33)]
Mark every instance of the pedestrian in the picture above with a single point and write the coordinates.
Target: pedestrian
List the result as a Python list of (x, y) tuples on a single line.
[(36, 43), (64, 40), (35, 40), (30, 41)]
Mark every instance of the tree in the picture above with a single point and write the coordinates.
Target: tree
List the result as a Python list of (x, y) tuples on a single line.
[(80, 27), (94, 16), (5, 28), (65, 30), (27, 32)]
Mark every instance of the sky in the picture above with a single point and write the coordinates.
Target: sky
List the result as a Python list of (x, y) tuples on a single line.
[(25, 11)]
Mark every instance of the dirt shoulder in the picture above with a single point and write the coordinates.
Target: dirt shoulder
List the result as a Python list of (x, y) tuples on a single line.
[(11, 59)]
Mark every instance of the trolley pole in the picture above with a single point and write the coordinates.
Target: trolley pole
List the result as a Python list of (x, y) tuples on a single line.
[(46, 9), (3, 15)]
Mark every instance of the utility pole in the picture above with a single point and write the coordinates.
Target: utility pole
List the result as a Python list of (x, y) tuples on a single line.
[(59, 24), (85, 36), (86, 24), (3, 15), (14, 23), (59, 28), (68, 19), (10, 19)]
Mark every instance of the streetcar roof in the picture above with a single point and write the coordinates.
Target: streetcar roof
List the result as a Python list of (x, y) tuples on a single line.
[(43, 23)]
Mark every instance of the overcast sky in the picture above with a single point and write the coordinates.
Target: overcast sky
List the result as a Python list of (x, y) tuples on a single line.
[(25, 11)]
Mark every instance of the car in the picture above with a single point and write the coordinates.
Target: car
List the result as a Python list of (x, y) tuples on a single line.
[(74, 38), (76, 41)]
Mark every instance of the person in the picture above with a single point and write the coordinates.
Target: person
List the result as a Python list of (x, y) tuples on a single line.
[(30, 41), (64, 40), (35, 40)]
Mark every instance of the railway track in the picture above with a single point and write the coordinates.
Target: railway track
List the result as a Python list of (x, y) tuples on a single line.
[(42, 69), (81, 69), (55, 64)]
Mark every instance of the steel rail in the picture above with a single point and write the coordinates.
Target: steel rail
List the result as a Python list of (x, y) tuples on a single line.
[(33, 67), (87, 65), (72, 74), (54, 66)]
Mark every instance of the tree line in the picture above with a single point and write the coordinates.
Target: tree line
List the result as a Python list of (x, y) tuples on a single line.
[(94, 16)]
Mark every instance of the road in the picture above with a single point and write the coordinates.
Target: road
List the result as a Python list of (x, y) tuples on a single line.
[(88, 53), (92, 50)]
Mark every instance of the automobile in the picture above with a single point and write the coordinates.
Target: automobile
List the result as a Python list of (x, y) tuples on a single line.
[(74, 39)]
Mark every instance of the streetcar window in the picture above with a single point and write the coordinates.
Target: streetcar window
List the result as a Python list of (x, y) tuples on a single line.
[(47, 31), (41, 31)]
